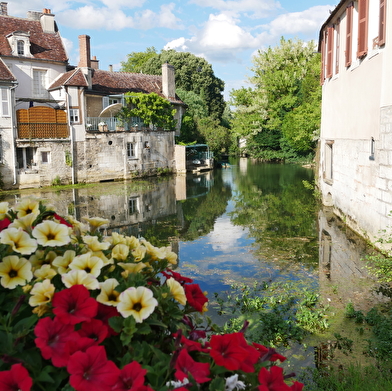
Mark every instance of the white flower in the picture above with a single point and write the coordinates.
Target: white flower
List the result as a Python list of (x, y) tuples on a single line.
[(232, 383), (177, 384), (102, 123)]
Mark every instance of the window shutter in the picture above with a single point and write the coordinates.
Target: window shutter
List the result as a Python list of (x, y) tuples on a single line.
[(381, 27), (322, 73), (337, 48), (105, 102), (349, 33), (330, 31), (363, 10)]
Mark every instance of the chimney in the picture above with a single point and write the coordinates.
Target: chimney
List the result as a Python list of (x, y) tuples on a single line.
[(84, 49), (3, 8), (168, 81), (47, 21), (94, 63), (110, 68)]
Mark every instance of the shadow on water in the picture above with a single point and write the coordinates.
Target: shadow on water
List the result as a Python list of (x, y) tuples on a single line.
[(249, 222)]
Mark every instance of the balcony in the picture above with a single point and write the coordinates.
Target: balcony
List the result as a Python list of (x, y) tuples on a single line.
[(42, 130), (112, 124)]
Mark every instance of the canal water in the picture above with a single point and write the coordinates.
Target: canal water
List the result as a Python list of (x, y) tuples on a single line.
[(249, 222)]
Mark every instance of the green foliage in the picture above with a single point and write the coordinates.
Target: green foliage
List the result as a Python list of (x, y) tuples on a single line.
[(136, 60), (68, 158), (150, 108), (56, 181), (380, 265)]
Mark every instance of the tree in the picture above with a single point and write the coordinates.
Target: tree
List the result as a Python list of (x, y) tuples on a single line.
[(136, 60), (151, 108), (216, 136)]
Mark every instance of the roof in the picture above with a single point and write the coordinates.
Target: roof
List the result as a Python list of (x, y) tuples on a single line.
[(5, 73), (44, 46), (328, 21), (114, 83)]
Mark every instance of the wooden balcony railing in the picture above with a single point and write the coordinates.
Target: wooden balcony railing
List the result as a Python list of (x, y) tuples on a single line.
[(42, 130)]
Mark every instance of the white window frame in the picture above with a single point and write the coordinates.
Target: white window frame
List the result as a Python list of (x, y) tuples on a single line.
[(20, 47), (132, 150), (133, 205), (39, 83), (5, 102), (45, 157), (74, 116), (328, 162)]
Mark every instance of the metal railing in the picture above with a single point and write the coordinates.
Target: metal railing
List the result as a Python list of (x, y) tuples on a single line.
[(95, 124)]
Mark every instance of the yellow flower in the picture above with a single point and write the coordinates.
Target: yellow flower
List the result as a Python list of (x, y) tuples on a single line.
[(41, 258), (78, 227), (50, 233), (176, 290), (41, 310), (80, 277), (154, 252), (20, 241), (131, 268), (27, 206), (132, 242), (42, 293), (138, 253), (94, 244), (120, 252), (87, 262), (115, 238), (25, 222), (108, 295), (62, 262), (101, 255), (170, 256), (4, 206), (15, 271), (138, 302), (45, 272), (96, 222)]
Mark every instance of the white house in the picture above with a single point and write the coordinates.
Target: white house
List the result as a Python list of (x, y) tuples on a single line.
[(57, 122), (355, 175)]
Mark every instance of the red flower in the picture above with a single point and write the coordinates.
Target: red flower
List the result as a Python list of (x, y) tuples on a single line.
[(131, 377), (91, 370), (185, 365), (94, 329), (190, 345), (297, 386), (62, 220), (17, 378), (268, 353), (195, 297), (228, 351), (74, 305), (272, 380), (105, 312), (4, 223), (52, 338), (248, 365), (177, 276), (79, 344)]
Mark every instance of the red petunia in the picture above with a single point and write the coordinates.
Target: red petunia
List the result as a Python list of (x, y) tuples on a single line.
[(4, 223), (131, 377), (297, 386), (177, 276), (268, 354), (94, 329), (248, 365), (17, 378), (105, 312), (195, 297), (52, 338), (62, 220), (185, 365), (272, 380), (79, 344), (190, 345), (91, 370), (228, 351), (74, 305)]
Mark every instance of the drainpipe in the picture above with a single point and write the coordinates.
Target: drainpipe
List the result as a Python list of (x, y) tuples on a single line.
[(13, 117), (71, 134)]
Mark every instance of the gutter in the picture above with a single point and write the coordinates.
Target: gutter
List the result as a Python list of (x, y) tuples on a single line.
[(13, 116), (71, 134)]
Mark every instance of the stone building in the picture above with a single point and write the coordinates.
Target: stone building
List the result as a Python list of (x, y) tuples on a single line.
[(58, 122)]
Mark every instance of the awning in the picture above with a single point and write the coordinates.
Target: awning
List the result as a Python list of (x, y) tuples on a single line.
[(111, 111)]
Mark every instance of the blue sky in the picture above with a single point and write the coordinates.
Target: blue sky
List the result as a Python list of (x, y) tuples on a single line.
[(227, 33)]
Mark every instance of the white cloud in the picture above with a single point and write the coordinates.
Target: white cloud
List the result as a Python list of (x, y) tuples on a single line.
[(253, 8), (68, 44), (148, 19)]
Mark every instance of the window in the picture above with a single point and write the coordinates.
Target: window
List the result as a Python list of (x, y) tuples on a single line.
[(4, 102), (330, 43), (39, 78), (25, 157), (381, 27), (20, 48), (349, 33), (74, 115), (363, 16), (328, 163), (133, 206), (45, 157), (131, 150), (337, 46)]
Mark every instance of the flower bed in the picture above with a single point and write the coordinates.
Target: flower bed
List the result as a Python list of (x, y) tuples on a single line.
[(84, 311)]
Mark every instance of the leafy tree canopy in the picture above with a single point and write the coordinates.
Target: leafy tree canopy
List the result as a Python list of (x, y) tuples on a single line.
[(136, 60)]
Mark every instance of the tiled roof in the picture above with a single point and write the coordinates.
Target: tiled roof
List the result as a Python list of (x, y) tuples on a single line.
[(44, 46), (5, 73), (72, 78)]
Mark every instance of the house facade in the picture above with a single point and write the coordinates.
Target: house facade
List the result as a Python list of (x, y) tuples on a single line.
[(58, 122), (355, 170)]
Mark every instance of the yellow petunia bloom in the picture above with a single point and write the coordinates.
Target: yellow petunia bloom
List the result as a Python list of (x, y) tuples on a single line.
[(20, 241), (108, 295), (62, 262), (115, 238), (155, 253), (131, 268), (41, 258), (94, 244), (27, 206), (45, 272), (41, 310), (78, 227), (170, 256), (25, 222), (87, 262), (4, 206), (138, 253), (96, 222), (176, 290), (41, 293), (15, 271), (137, 302), (50, 233), (120, 252), (101, 255), (132, 242), (80, 277)]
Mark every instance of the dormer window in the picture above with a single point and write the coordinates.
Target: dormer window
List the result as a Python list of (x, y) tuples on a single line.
[(20, 47), (20, 43)]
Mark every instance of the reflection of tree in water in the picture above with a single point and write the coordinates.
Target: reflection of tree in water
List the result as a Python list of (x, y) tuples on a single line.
[(198, 214), (279, 211)]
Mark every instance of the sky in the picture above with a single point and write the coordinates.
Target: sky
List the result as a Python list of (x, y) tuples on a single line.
[(227, 33)]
